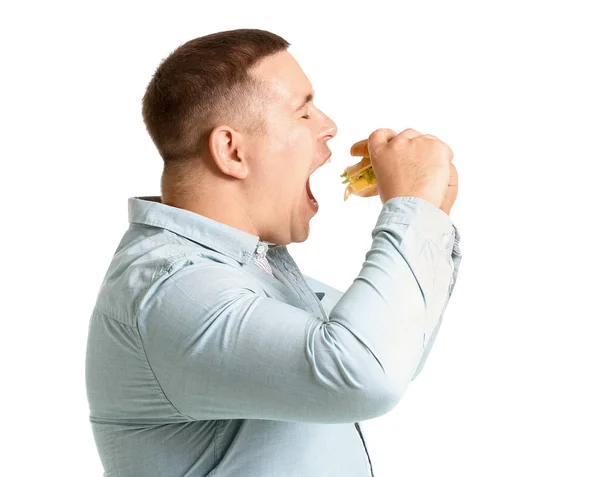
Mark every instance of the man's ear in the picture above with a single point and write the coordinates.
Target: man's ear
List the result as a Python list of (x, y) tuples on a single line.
[(224, 145)]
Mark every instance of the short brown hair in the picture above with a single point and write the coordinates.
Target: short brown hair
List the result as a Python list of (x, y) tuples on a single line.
[(201, 83)]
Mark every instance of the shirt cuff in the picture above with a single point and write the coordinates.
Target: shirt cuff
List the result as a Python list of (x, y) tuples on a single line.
[(431, 222)]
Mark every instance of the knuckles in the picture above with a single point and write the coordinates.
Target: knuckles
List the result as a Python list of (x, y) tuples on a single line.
[(411, 137)]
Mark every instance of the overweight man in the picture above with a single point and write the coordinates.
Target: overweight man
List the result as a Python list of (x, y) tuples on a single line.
[(209, 352)]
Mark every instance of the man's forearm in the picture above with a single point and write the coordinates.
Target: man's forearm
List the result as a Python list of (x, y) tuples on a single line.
[(400, 301), (455, 258)]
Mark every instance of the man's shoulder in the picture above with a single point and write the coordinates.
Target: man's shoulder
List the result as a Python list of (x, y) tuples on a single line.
[(146, 266)]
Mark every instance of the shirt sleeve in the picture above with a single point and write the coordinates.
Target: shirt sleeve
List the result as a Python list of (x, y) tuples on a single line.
[(221, 349), (455, 258), (329, 296)]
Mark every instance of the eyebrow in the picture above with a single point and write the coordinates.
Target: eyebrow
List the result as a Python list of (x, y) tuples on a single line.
[(307, 99)]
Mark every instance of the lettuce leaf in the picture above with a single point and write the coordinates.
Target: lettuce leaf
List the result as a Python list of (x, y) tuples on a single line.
[(368, 174)]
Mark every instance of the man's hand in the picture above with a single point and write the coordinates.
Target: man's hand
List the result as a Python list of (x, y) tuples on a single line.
[(410, 164), (452, 190)]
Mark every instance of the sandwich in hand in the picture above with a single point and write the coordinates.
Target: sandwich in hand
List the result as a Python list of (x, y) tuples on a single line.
[(360, 177)]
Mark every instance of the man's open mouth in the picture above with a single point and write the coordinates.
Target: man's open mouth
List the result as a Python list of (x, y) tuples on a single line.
[(310, 195)]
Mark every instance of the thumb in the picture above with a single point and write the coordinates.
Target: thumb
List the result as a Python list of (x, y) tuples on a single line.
[(379, 138), (453, 179)]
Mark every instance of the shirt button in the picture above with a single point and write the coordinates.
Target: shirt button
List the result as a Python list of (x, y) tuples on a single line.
[(260, 249)]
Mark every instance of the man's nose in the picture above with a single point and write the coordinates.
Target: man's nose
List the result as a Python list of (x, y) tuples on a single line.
[(329, 129)]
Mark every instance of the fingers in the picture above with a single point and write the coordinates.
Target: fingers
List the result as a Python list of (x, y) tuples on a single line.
[(451, 153), (379, 138), (410, 133), (453, 180), (382, 136), (361, 148), (413, 133)]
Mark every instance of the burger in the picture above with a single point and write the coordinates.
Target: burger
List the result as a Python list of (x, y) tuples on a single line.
[(360, 178)]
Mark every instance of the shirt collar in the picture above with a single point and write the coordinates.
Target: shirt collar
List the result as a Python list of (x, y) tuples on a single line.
[(228, 240)]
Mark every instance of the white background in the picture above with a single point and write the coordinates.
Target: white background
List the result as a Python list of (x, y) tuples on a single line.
[(512, 385)]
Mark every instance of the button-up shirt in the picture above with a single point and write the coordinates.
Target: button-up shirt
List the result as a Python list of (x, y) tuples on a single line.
[(260, 258), (210, 353)]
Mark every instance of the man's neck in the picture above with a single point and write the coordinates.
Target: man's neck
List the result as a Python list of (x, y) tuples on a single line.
[(228, 211)]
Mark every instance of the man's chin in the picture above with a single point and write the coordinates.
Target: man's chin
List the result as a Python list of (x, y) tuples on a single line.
[(300, 234)]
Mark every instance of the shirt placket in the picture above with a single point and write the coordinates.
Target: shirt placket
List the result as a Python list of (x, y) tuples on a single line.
[(260, 258), (292, 268)]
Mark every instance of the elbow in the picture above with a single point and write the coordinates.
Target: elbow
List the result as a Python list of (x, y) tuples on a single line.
[(371, 398), (377, 399), (383, 386), (359, 384), (387, 398)]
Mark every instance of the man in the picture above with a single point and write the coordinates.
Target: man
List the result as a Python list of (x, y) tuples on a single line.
[(209, 352)]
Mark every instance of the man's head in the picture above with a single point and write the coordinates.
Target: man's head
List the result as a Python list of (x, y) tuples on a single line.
[(232, 116)]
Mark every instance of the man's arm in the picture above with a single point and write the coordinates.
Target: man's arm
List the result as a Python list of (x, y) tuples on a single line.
[(329, 296), (456, 256), (221, 349)]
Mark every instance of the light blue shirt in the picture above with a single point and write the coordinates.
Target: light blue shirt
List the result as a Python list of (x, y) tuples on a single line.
[(202, 363)]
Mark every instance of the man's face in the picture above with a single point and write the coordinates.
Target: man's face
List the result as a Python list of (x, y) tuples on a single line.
[(293, 146)]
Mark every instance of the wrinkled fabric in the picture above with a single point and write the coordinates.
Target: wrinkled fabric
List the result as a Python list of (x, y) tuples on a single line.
[(202, 361)]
